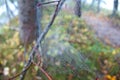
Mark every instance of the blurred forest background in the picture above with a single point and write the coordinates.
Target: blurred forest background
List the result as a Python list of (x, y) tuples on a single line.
[(82, 44)]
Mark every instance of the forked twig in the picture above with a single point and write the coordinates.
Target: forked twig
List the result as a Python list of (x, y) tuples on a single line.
[(41, 37)]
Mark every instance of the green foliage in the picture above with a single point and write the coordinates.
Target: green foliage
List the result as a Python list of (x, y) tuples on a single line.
[(69, 33)]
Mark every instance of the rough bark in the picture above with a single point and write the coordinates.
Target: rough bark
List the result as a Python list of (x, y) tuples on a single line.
[(27, 19), (78, 8), (98, 6), (115, 7)]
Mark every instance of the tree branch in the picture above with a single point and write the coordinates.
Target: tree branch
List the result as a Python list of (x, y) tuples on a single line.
[(40, 4), (41, 37), (20, 73), (43, 71)]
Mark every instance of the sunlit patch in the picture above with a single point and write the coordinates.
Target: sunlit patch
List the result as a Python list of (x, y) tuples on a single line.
[(6, 71), (114, 52)]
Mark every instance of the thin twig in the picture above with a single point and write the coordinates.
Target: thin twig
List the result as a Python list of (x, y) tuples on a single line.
[(46, 74), (20, 73), (41, 37), (43, 71), (43, 3)]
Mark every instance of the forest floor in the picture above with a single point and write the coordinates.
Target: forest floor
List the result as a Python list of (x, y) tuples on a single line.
[(104, 28)]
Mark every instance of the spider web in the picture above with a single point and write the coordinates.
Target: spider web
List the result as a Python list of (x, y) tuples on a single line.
[(58, 55)]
